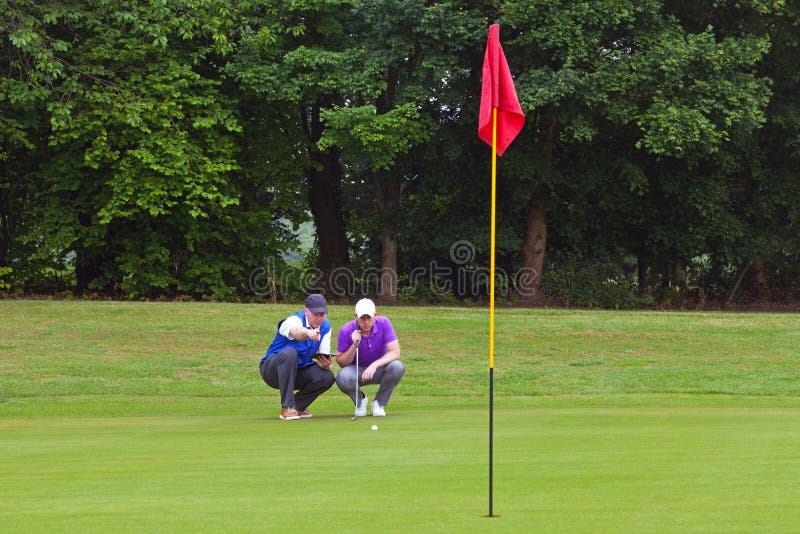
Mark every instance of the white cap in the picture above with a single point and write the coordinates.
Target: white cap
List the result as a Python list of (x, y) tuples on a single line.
[(365, 307)]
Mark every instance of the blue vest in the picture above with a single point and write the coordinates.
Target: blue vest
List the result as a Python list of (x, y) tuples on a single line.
[(305, 349)]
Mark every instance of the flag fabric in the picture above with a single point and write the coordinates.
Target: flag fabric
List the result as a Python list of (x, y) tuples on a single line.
[(498, 92)]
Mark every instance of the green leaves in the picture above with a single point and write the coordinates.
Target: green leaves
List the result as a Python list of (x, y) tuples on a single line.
[(699, 88), (383, 138), (3, 272), (160, 135)]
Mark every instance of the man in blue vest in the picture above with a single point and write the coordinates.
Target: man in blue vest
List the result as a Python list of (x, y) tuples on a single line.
[(290, 365)]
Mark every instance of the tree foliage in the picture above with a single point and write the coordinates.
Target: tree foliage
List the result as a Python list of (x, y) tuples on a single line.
[(173, 147)]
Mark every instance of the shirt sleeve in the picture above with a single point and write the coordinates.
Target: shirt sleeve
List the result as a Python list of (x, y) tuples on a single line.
[(325, 344), (288, 324), (388, 333), (344, 339)]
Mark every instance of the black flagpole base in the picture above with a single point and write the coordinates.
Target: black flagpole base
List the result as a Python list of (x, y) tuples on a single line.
[(491, 441)]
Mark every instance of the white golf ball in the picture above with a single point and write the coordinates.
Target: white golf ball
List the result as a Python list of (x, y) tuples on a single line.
[(374, 427)]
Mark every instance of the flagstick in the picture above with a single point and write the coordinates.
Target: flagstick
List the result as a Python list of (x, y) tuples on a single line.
[(491, 310)]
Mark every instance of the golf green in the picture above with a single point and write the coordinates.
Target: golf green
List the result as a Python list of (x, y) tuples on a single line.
[(726, 465)]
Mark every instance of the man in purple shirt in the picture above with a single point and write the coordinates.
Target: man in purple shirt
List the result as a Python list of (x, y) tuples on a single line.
[(378, 358)]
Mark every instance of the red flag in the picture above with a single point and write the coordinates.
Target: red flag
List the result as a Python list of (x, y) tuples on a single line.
[(498, 92)]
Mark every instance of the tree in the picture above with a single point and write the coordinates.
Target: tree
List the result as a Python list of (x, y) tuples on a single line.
[(408, 56), (136, 190), (28, 59), (292, 58), (632, 77), (159, 149)]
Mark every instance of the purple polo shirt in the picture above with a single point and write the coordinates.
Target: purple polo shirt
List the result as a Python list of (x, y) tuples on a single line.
[(372, 347)]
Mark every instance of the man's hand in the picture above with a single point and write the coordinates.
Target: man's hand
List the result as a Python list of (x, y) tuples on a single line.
[(356, 337), (313, 334), (369, 372), (324, 361)]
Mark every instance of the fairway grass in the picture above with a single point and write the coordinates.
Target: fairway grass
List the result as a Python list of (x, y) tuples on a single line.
[(138, 417)]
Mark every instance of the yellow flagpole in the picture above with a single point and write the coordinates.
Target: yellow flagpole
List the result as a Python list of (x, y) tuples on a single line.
[(492, 239)]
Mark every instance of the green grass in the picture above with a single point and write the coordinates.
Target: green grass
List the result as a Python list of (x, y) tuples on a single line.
[(152, 417)]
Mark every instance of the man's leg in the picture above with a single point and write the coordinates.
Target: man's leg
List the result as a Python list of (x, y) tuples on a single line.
[(346, 381), (312, 381), (388, 377), (279, 371)]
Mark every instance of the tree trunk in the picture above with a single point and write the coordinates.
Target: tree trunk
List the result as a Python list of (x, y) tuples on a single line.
[(739, 279), (389, 195), (5, 230), (529, 286), (88, 261), (758, 279), (87, 269), (388, 287), (325, 198), (533, 248), (642, 266)]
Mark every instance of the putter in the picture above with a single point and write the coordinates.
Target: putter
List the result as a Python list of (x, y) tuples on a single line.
[(355, 411)]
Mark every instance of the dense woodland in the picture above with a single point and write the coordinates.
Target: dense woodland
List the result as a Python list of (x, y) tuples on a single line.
[(172, 149)]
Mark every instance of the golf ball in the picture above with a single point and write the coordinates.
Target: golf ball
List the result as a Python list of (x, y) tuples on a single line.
[(374, 427)]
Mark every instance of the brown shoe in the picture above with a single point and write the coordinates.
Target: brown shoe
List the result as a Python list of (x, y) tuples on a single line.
[(288, 413), (304, 414)]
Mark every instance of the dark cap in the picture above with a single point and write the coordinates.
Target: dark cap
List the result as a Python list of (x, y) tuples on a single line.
[(316, 304)]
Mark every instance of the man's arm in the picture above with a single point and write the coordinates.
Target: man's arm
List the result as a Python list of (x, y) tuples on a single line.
[(293, 328), (302, 333), (392, 354), (346, 357)]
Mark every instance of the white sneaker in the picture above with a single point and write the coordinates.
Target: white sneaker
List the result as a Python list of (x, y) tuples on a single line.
[(377, 410), (361, 411)]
